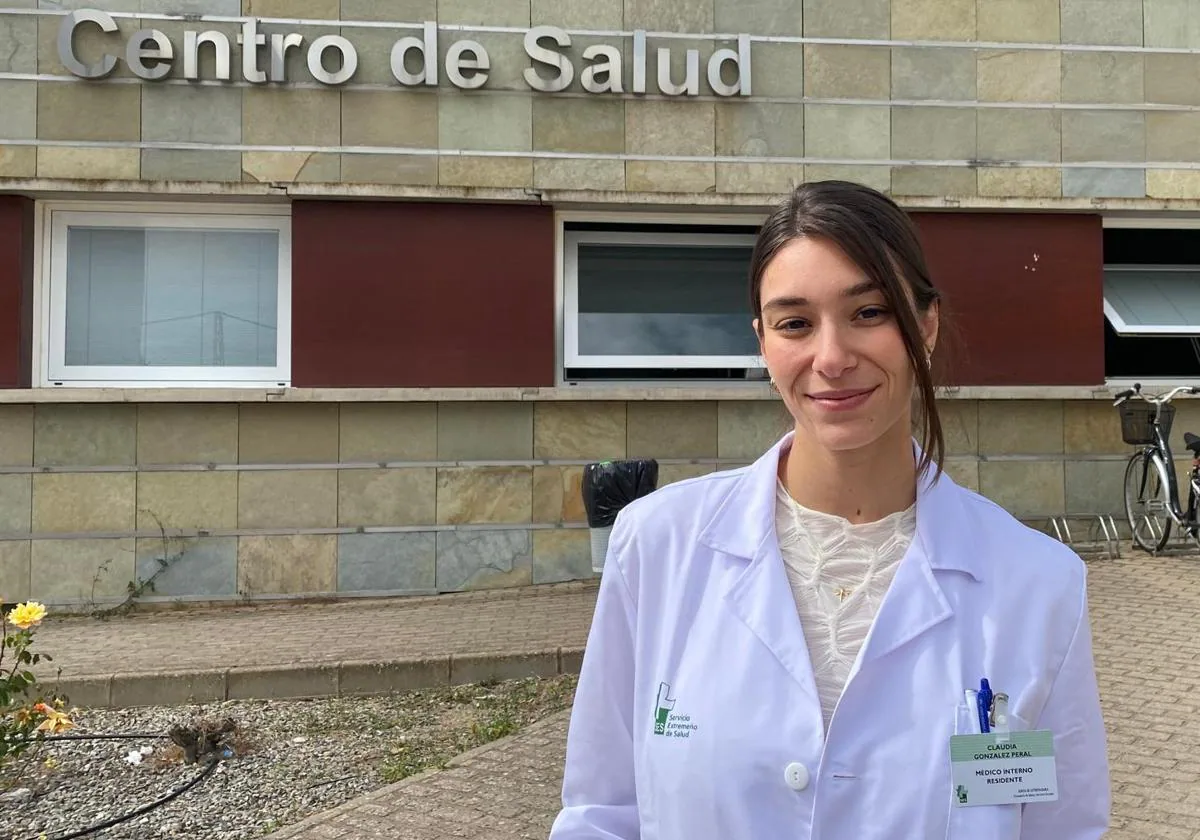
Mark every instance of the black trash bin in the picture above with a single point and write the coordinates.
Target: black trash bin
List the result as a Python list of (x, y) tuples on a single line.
[(608, 486)]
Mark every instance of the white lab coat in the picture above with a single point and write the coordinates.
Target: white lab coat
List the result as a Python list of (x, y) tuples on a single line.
[(695, 616)]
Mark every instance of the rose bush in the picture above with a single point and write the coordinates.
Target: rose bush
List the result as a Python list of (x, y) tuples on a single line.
[(27, 713)]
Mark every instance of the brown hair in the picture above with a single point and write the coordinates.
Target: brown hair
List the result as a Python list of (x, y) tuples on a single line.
[(881, 239)]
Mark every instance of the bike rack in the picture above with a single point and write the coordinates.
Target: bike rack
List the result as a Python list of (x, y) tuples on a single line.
[(1102, 534), (1178, 543)]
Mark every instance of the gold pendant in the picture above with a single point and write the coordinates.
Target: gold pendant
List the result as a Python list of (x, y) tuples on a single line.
[(843, 593)]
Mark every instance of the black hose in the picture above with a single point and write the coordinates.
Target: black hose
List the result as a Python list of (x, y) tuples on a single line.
[(145, 809), (49, 738)]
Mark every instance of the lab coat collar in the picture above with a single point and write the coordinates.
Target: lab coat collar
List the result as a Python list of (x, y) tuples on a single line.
[(744, 523)]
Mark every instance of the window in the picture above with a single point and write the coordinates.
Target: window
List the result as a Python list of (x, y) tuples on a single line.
[(1151, 302), (657, 302), (1153, 299), (166, 297)]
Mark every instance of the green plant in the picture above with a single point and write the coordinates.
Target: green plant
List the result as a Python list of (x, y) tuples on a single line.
[(101, 571), (135, 589), (407, 760), (499, 724), (27, 714)]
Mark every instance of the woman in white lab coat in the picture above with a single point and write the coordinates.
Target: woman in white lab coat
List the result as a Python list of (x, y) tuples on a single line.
[(785, 651)]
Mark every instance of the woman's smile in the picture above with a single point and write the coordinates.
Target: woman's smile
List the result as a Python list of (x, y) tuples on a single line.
[(846, 399)]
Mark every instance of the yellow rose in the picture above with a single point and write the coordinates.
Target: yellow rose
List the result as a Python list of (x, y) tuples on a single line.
[(29, 614), (56, 722)]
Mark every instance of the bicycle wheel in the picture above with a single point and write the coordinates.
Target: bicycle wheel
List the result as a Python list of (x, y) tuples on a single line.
[(1147, 497), (1193, 507)]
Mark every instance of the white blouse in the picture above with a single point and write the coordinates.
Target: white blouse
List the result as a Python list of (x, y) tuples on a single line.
[(839, 573)]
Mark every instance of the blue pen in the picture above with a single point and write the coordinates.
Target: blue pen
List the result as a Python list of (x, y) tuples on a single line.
[(984, 700)]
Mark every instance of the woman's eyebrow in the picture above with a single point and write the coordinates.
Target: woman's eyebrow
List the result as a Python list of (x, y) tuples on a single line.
[(789, 301)]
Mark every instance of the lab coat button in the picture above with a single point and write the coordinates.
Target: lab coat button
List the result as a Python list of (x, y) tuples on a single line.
[(796, 775)]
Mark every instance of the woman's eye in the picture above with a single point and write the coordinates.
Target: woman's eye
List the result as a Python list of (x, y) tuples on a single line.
[(792, 324), (873, 313)]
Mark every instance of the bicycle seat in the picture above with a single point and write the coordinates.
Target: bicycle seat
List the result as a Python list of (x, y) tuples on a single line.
[(1192, 442)]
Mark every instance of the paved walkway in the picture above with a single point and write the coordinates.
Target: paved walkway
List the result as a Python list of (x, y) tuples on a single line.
[(313, 650), (1146, 615)]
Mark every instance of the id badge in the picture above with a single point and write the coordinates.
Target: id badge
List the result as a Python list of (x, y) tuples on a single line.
[(1003, 769)]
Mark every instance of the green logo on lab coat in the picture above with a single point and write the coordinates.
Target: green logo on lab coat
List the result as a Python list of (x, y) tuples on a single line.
[(668, 722), (662, 708)]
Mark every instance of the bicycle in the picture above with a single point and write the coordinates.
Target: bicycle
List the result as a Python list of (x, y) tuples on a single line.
[(1151, 490)]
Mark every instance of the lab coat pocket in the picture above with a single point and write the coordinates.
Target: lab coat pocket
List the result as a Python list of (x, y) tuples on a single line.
[(981, 822), (671, 759)]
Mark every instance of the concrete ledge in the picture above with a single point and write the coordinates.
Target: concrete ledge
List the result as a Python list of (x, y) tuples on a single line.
[(473, 668), (749, 204), (306, 680), (93, 692), (167, 689), (615, 392), (370, 678), (570, 660), (279, 682)]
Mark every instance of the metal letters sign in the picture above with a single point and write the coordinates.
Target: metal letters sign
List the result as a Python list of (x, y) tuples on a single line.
[(150, 54)]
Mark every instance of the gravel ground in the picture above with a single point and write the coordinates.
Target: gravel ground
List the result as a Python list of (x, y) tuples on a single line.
[(291, 759)]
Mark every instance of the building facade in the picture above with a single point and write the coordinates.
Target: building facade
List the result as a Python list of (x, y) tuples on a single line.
[(316, 297)]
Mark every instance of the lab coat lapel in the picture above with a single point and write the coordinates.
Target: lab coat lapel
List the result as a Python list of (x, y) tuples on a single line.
[(761, 596), (762, 599), (915, 602)]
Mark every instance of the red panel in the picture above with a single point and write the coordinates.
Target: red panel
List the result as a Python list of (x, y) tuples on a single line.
[(16, 291), (419, 295), (1026, 292)]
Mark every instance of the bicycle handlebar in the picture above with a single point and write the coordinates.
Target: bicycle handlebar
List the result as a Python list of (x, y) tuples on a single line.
[(1136, 391)]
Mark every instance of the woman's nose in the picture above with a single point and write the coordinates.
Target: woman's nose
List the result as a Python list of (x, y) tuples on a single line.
[(833, 356)]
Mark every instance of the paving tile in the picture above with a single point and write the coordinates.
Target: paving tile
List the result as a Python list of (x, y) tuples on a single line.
[(516, 620)]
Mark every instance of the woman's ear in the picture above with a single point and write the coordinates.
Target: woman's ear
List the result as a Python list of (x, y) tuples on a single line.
[(929, 328)]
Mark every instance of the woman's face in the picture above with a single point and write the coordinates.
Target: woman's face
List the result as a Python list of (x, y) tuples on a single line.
[(834, 348)]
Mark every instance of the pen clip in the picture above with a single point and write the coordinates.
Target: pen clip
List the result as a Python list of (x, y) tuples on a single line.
[(984, 706)]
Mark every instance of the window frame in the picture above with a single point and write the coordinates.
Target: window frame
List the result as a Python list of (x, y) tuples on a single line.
[(572, 239), (54, 220), (1152, 221), (1119, 324)]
